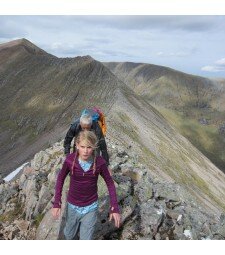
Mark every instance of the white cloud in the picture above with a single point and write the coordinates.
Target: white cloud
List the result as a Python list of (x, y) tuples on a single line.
[(219, 66), (220, 61), (173, 54), (213, 69)]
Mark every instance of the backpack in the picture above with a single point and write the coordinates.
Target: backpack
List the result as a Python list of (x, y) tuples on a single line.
[(97, 116)]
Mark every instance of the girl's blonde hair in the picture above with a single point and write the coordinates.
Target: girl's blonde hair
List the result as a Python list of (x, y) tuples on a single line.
[(90, 139)]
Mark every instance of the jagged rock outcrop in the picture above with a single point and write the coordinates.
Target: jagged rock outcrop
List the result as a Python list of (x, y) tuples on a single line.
[(150, 208)]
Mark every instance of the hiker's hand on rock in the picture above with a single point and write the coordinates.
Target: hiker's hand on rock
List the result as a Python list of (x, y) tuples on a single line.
[(56, 213), (116, 217)]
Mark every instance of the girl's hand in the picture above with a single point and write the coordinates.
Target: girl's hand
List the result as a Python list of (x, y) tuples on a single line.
[(56, 213), (116, 217), (110, 171)]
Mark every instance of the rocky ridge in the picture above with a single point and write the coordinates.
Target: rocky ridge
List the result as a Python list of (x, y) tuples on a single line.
[(43, 94), (150, 208)]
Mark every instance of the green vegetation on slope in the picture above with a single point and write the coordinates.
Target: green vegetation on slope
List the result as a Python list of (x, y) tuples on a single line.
[(204, 137)]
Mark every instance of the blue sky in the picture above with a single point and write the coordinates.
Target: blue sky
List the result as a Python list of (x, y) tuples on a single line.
[(192, 44)]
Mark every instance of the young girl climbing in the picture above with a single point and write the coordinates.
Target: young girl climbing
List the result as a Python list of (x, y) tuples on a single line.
[(82, 199)]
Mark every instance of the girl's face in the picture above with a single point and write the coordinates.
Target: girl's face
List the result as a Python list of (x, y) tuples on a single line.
[(85, 150)]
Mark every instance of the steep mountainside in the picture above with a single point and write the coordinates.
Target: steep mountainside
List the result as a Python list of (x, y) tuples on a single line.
[(40, 94), (167, 86), (194, 104), (168, 154)]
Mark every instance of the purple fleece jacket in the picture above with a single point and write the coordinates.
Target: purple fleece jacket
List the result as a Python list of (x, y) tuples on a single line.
[(83, 185)]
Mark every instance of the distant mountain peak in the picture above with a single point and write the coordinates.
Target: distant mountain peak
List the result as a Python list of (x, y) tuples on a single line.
[(29, 46)]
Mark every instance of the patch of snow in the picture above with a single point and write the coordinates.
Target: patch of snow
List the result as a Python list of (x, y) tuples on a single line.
[(14, 173), (187, 233)]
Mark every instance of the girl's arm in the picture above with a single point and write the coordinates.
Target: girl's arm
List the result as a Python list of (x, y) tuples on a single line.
[(59, 184), (104, 172)]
